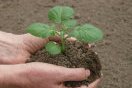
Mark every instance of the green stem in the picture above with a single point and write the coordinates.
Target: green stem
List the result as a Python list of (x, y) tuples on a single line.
[(62, 41), (63, 45)]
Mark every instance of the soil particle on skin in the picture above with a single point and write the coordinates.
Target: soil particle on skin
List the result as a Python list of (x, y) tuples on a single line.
[(75, 56)]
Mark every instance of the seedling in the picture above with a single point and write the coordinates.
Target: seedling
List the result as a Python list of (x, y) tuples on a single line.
[(63, 23)]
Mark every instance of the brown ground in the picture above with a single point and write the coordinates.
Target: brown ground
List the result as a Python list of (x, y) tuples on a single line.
[(113, 16)]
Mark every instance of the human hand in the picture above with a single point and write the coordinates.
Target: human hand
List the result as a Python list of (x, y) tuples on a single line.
[(52, 76), (17, 49), (92, 85), (39, 75)]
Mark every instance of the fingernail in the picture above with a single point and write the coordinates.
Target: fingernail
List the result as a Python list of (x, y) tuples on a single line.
[(87, 73)]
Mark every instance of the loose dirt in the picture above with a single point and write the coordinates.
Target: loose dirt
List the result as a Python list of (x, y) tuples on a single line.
[(76, 55)]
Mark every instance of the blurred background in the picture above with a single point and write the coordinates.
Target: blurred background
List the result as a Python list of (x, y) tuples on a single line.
[(114, 17)]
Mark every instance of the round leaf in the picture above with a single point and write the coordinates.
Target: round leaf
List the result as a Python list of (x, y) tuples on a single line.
[(40, 30), (60, 13), (69, 23), (87, 33), (53, 48), (67, 13)]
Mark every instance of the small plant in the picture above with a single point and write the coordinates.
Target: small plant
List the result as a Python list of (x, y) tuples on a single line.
[(63, 23)]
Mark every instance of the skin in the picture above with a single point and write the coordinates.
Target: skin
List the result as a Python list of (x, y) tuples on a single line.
[(15, 50)]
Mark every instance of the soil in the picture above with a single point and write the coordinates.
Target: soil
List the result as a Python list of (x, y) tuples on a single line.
[(114, 17), (76, 55)]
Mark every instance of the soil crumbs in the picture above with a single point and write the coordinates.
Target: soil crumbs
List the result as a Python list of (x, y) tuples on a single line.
[(75, 56)]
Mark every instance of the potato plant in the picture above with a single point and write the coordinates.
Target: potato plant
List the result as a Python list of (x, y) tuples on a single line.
[(63, 23)]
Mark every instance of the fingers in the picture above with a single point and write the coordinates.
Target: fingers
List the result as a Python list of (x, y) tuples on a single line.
[(65, 74), (58, 39), (32, 43), (55, 38), (94, 84), (74, 74), (82, 87)]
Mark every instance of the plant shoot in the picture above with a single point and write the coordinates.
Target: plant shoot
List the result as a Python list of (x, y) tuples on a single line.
[(63, 23)]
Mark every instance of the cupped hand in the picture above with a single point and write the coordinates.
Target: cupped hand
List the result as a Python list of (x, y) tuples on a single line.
[(15, 49), (52, 76), (42, 75)]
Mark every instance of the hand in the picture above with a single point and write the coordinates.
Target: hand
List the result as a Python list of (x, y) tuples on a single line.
[(52, 76), (16, 49), (39, 75), (92, 85)]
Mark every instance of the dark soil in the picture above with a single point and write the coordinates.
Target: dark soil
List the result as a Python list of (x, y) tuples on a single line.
[(76, 55)]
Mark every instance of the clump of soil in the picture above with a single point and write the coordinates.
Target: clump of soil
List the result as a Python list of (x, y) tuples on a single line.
[(75, 56)]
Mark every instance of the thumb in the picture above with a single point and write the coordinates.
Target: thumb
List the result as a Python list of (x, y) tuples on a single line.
[(94, 84), (32, 43), (74, 74)]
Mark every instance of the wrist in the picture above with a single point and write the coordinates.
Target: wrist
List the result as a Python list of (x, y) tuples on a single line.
[(13, 76)]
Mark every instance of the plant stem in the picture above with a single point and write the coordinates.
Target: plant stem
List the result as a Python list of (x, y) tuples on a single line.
[(62, 41), (63, 45)]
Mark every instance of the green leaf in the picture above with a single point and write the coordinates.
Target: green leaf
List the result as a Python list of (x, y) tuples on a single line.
[(60, 13), (87, 33), (69, 23), (53, 48), (67, 13), (40, 30)]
